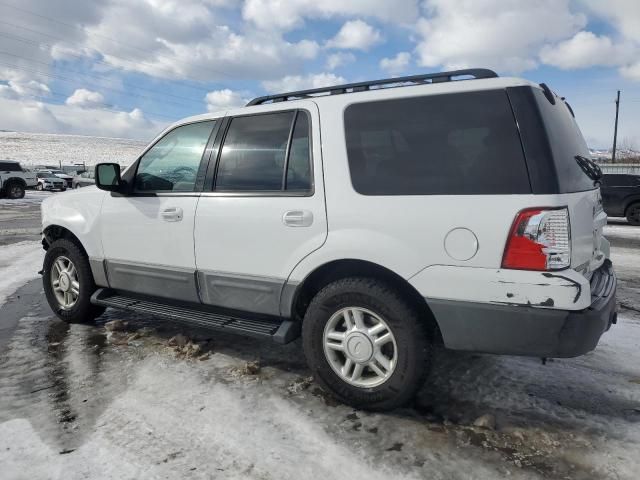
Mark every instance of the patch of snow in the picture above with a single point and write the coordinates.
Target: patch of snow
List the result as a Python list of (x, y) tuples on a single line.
[(53, 149), (31, 197), (19, 263)]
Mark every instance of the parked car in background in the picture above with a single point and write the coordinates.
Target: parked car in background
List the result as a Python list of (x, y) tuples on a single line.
[(60, 174), (14, 180), (47, 181), (621, 196), (84, 179)]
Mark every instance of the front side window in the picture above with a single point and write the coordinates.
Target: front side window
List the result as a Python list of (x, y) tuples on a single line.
[(172, 163), (267, 152)]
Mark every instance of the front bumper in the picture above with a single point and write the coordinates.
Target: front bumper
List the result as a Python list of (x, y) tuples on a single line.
[(531, 331)]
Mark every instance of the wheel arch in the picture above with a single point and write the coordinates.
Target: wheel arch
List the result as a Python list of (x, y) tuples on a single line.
[(295, 304), (17, 180), (55, 232), (635, 200)]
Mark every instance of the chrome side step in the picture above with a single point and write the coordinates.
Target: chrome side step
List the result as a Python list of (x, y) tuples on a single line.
[(279, 330)]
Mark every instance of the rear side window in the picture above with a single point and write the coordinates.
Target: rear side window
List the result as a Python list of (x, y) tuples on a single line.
[(10, 167), (266, 152), (566, 141), (463, 143), (620, 180)]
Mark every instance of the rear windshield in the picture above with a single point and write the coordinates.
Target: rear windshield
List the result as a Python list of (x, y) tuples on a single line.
[(566, 141), (463, 143)]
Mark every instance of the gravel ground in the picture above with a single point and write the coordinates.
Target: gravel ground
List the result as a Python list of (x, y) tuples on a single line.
[(135, 397)]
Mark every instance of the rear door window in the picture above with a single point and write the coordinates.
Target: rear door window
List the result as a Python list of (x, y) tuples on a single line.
[(463, 143), (266, 153)]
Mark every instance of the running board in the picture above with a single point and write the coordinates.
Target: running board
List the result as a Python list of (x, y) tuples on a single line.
[(279, 330)]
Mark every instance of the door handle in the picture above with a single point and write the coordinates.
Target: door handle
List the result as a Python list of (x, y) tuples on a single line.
[(297, 218), (171, 214)]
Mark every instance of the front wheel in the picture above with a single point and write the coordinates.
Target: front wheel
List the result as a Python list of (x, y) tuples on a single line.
[(633, 214), (366, 344), (68, 283), (15, 191), (39, 187)]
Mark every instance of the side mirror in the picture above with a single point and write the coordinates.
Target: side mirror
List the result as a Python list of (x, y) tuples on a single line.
[(108, 177)]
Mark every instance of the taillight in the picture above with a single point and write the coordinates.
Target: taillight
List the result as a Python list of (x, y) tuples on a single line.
[(539, 240)]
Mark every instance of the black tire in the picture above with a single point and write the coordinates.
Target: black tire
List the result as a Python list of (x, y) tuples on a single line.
[(409, 330), (39, 187), (15, 190), (633, 214), (82, 311)]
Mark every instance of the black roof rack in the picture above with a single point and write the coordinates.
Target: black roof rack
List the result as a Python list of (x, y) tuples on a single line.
[(475, 73)]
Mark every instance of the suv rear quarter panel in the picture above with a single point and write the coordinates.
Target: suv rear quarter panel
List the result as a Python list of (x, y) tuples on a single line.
[(406, 234)]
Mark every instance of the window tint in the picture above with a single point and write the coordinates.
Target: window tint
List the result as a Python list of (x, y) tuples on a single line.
[(620, 180), (464, 143), (299, 166), (566, 142), (172, 163), (253, 154), (10, 167)]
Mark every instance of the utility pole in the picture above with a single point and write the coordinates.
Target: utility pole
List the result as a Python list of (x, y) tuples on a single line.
[(615, 130)]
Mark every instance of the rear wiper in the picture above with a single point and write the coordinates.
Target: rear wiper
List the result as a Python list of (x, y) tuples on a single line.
[(590, 168)]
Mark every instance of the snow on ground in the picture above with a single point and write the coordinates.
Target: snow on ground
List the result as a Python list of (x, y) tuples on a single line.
[(77, 401), (19, 263), (53, 149), (31, 197)]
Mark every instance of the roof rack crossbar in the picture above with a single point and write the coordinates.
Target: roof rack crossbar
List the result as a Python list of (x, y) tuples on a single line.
[(475, 73)]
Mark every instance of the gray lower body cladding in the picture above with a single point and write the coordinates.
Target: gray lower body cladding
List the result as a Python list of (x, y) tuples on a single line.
[(263, 295), (530, 331)]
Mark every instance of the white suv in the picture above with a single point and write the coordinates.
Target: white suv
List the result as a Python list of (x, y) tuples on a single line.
[(458, 208)]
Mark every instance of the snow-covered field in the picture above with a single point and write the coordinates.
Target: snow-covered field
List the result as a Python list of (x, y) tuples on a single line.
[(53, 149), (81, 401)]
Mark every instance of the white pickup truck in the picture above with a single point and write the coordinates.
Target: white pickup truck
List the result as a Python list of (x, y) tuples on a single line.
[(14, 180)]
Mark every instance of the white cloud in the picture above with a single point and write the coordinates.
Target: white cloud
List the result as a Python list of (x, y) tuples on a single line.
[(339, 59), (632, 71), (225, 99), (286, 15), (357, 35), (292, 83), (31, 116), (396, 65), (496, 34), (623, 14), (586, 49), (85, 99), (21, 87)]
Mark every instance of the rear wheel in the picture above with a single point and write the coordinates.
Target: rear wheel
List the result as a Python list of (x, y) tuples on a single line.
[(15, 190), (633, 214), (68, 282), (366, 344)]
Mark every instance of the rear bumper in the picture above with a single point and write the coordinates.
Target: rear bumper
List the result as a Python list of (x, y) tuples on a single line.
[(531, 331)]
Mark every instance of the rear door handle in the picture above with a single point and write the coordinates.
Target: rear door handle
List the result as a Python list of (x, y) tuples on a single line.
[(171, 214), (297, 218)]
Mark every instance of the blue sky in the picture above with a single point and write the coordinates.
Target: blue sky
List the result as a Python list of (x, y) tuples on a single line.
[(126, 68)]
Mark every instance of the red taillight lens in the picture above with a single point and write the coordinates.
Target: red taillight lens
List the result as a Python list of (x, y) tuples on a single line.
[(539, 240)]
